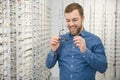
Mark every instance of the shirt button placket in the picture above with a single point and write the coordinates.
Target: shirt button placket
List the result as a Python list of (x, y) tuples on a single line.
[(72, 56)]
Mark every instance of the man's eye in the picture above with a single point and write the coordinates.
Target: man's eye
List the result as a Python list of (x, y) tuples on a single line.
[(74, 20)]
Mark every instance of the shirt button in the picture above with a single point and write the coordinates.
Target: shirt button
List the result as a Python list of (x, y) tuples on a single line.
[(71, 65), (72, 56), (71, 76), (87, 61), (83, 56), (73, 47)]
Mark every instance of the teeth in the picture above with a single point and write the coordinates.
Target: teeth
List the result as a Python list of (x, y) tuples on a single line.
[(72, 27)]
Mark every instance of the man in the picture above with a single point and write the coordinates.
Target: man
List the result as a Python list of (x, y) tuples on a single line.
[(79, 53)]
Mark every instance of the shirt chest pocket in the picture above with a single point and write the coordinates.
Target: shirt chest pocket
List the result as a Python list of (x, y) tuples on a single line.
[(67, 48), (70, 49)]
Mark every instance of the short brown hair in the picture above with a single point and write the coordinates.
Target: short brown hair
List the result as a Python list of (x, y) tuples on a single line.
[(74, 6)]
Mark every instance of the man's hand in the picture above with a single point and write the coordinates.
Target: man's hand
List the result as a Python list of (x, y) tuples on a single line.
[(80, 42), (54, 43)]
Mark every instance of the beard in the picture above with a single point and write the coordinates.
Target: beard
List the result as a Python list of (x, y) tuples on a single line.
[(75, 30)]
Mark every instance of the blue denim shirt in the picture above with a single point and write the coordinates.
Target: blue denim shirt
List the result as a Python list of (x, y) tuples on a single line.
[(75, 65)]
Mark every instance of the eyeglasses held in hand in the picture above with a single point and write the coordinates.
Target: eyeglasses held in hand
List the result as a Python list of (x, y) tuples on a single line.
[(60, 33)]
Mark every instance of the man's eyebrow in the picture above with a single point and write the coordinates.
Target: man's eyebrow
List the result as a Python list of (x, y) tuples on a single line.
[(67, 19)]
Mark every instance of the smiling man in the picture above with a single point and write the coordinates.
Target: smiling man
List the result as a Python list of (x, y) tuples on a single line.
[(80, 54)]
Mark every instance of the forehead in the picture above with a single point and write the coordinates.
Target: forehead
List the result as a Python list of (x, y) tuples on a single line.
[(73, 14)]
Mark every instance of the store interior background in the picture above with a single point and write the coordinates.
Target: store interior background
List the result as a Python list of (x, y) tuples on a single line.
[(27, 25)]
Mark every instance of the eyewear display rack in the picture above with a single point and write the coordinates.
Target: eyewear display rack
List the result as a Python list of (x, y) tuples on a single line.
[(5, 41), (24, 39)]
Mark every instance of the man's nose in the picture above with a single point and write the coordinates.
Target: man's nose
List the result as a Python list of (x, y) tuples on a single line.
[(71, 23)]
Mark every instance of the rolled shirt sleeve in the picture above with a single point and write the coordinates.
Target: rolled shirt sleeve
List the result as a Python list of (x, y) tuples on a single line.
[(96, 58), (51, 59)]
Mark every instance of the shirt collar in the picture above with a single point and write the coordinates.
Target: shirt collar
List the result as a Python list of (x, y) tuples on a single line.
[(82, 33)]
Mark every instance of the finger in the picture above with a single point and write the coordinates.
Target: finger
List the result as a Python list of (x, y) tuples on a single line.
[(78, 45), (79, 39), (54, 43), (77, 42), (76, 38), (56, 38)]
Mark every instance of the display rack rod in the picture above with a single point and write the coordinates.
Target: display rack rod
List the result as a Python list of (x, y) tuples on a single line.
[(32, 27), (17, 41), (8, 35)]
